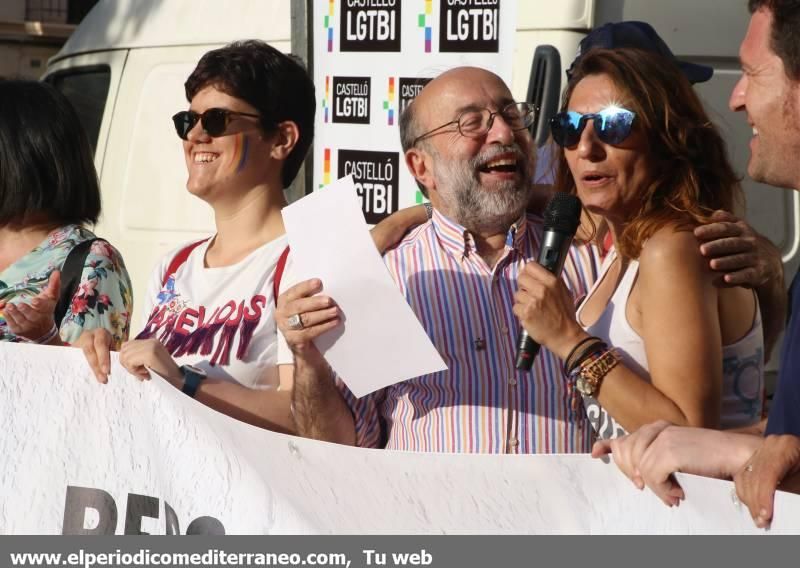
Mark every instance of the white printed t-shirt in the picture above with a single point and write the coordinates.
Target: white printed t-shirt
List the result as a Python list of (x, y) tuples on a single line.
[(220, 319)]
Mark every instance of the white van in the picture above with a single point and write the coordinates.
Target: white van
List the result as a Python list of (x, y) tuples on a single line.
[(125, 66)]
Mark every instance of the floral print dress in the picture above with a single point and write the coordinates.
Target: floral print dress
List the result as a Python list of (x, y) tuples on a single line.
[(103, 298)]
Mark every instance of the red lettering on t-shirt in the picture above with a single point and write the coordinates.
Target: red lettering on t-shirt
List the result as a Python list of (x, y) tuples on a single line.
[(223, 354), (226, 312), (257, 304), (185, 319), (190, 332)]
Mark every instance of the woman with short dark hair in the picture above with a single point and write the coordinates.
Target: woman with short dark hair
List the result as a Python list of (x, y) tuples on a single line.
[(655, 338), (209, 312), (56, 278)]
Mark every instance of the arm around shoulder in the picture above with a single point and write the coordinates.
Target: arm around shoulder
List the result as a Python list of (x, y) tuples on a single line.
[(743, 257), (391, 230)]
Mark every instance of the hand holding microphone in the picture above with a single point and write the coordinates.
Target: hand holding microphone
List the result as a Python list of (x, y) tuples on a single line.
[(542, 301)]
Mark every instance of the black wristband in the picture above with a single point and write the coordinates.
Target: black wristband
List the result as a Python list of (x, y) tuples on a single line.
[(583, 341), (593, 347), (192, 377)]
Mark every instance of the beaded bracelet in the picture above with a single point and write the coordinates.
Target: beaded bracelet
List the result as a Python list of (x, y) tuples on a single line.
[(589, 355)]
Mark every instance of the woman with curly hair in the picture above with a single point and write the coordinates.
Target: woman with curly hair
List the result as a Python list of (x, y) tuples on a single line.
[(654, 339)]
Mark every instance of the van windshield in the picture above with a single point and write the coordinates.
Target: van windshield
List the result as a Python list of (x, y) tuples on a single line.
[(87, 89)]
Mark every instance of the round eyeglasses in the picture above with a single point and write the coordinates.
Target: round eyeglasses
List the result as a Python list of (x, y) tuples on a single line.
[(477, 122)]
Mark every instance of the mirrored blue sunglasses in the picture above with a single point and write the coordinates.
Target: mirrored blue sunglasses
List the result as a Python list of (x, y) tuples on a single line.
[(612, 125)]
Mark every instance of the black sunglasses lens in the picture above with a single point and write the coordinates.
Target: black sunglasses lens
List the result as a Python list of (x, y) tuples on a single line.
[(614, 128), (184, 121), (214, 121), (566, 128)]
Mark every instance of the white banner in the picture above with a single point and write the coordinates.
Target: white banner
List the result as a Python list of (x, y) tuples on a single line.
[(141, 457)]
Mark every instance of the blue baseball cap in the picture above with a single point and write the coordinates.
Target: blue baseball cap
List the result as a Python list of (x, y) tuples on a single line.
[(637, 35)]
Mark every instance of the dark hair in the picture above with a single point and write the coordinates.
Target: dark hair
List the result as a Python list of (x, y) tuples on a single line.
[(276, 84), (46, 162), (690, 175), (785, 37)]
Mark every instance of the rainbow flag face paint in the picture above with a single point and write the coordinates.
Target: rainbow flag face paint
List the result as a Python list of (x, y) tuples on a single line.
[(241, 150)]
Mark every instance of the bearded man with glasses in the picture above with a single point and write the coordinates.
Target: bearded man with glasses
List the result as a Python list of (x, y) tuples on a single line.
[(467, 143)]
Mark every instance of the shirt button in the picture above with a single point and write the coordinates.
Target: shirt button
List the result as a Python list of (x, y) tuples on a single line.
[(513, 442), (503, 329), (512, 381)]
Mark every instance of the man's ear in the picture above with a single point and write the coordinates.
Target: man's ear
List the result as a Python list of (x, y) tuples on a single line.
[(286, 136), (419, 163)]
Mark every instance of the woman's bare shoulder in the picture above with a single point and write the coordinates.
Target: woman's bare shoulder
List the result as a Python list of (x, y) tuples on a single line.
[(672, 246)]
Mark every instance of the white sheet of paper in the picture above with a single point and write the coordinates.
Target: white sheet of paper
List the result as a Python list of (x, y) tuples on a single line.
[(381, 341)]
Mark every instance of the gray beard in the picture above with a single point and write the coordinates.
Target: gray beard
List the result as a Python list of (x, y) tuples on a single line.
[(481, 210)]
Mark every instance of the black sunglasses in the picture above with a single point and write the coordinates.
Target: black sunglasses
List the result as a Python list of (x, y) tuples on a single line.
[(214, 121), (612, 125)]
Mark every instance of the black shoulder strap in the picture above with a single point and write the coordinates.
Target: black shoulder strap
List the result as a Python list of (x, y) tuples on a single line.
[(71, 272)]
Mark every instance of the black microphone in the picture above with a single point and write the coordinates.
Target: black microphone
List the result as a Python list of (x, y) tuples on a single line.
[(561, 219)]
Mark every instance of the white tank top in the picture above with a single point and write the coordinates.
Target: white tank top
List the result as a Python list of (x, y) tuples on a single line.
[(742, 361)]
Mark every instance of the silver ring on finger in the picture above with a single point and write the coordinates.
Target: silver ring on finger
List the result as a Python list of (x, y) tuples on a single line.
[(295, 322)]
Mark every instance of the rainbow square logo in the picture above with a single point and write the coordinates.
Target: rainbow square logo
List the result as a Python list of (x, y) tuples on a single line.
[(328, 23), (326, 168), (424, 22), (388, 104), (326, 101)]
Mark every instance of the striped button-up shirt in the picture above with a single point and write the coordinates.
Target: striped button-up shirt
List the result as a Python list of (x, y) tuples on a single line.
[(481, 403)]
